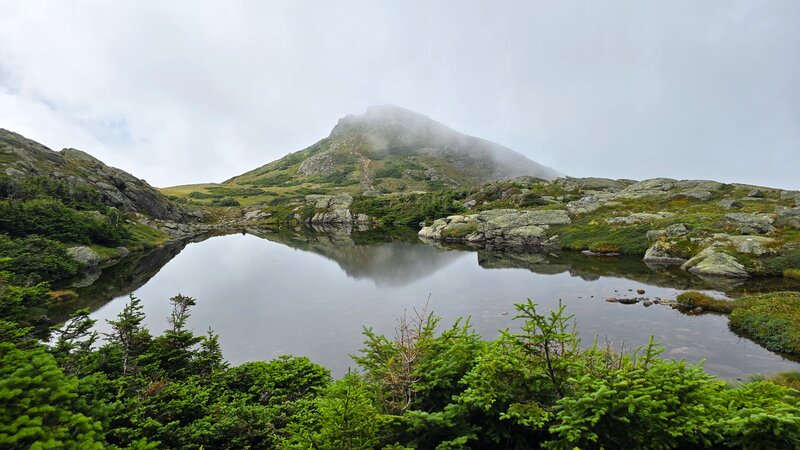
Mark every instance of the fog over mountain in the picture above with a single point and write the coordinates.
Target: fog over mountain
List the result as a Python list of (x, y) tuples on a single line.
[(186, 92)]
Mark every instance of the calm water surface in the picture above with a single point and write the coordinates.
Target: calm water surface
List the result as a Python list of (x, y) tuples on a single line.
[(311, 297)]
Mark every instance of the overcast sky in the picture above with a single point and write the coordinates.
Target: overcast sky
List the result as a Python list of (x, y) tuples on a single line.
[(188, 92)]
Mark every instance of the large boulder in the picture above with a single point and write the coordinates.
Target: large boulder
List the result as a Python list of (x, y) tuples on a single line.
[(660, 253), (751, 223), (636, 218), (713, 262), (84, 255), (648, 188), (331, 208), (789, 218)]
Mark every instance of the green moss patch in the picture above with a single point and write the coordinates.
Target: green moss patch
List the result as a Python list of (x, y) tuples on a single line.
[(693, 299), (772, 320)]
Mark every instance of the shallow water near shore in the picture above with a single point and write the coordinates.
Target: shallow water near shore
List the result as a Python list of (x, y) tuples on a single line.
[(309, 294)]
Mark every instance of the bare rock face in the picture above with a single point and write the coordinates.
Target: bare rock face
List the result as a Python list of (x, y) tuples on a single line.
[(117, 187), (333, 209)]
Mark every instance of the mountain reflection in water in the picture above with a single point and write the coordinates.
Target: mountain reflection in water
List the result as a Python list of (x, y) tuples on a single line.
[(309, 292)]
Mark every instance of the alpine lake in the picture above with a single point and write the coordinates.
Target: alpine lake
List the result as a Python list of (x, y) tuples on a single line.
[(309, 292)]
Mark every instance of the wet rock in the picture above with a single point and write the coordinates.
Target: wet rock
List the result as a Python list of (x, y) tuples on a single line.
[(647, 303), (640, 291), (628, 301), (612, 299)]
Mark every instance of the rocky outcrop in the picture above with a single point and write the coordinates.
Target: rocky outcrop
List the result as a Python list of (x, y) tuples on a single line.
[(750, 223), (23, 158), (788, 218), (334, 209), (256, 215), (84, 255), (637, 218), (713, 262), (501, 227)]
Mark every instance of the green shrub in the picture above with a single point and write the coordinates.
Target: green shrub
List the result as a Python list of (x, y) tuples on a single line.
[(35, 258), (227, 201), (54, 220)]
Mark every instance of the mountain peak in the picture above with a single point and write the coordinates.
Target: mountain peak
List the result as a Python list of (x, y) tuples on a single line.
[(389, 148)]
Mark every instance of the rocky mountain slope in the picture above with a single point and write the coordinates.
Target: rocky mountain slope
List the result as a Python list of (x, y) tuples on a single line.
[(21, 157), (390, 149)]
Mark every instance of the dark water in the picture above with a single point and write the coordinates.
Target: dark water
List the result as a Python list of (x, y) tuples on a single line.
[(310, 294)]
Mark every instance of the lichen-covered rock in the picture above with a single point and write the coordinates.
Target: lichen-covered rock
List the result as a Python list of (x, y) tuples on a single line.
[(333, 209), (84, 255), (636, 218), (713, 262), (752, 245), (659, 253), (789, 218), (677, 230), (502, 227), (256, 215), (751, 223), (647, 188), (587, 204), (654, 235)]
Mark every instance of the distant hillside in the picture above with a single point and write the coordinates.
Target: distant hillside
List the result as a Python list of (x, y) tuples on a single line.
[(21, 157), (391, 149)]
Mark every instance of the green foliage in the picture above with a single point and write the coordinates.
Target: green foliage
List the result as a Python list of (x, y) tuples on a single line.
[(32, 187), (40, 406), (35, 258), (23, 304), (54, 220), (409, 209), (226, 201), (345, 417), (770, 319)]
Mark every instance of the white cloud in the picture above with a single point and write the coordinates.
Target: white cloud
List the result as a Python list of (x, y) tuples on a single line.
[(179, 92)]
